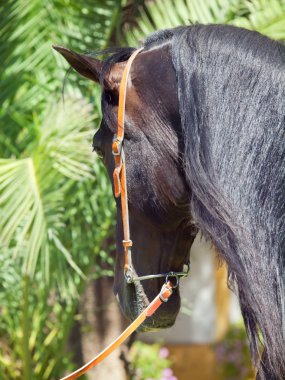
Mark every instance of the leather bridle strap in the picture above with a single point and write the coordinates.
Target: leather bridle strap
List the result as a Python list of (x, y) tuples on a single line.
[(120, 187), (162, 297), (119, 175)]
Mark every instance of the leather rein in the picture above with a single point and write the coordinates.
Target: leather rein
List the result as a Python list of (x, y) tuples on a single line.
[(120, 189)]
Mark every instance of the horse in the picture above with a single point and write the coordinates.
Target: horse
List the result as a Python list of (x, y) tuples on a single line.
[(204, 147)]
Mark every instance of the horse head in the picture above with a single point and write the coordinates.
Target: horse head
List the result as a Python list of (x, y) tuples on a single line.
[(160, 221)]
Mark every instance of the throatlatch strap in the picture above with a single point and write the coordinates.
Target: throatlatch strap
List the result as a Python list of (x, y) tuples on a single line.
[(162, 297)]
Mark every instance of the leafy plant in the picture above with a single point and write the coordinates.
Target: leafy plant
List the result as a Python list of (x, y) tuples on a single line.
[(267, 17), (34, 326), (33, 188), (150, 362), (31, 73), (56, 205), (55, 213)]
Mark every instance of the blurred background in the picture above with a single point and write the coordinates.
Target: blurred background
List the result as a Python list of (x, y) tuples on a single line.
[(57, 309)]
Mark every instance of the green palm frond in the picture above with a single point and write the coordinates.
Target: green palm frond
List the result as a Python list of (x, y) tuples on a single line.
[(267, 17), (32, 189), (55, 200), (163, 14), (34, 326), (30, 71)]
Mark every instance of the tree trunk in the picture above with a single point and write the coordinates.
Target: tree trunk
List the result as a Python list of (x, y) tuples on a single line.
[(101, 322)]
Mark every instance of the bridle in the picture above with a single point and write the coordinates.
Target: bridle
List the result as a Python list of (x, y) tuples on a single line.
[(120, 189)]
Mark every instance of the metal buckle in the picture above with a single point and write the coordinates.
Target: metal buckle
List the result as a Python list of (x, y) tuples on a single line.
[(163, 299), (175, 275), (129, 276)]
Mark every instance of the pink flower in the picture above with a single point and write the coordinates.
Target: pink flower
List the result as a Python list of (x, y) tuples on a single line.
[(164, 352), (167, 372)]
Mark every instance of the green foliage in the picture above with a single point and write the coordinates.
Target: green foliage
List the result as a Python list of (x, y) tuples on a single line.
[(55, 210), (37, 191), (34, 326), (35, 184), (31, 72), (56, 205), (267, 17), (149, 362)]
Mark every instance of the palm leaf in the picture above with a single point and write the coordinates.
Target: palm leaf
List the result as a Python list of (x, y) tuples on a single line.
[(163, 14), (30, 71), (32, 189), (267, 17)]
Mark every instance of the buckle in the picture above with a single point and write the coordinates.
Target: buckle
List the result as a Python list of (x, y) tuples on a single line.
[(172, 275), (164, 297), (129, 276), (116, 146)]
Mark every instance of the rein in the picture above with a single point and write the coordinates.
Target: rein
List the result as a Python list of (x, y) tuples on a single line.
[(120, 189)]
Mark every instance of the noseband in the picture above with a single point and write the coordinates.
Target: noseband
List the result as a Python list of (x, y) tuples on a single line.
[(120, 189)]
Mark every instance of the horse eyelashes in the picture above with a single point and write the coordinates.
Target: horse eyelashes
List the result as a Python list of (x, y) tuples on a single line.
[(108, 97)]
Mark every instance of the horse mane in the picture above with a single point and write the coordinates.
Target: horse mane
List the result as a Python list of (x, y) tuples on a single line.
[(231, 90)]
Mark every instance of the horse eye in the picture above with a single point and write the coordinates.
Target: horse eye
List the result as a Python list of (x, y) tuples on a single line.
[(111, 97), (108, 97)]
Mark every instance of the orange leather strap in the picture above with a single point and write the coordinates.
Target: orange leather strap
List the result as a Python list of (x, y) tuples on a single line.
[(119, 175), (122, 99), (118, 140), (162, 297)]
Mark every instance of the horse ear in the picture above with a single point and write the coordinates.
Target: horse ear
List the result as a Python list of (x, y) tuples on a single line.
[(85, 65), (91, 68)]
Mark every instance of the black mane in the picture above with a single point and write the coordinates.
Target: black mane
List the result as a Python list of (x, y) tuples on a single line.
[(231, 88)]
